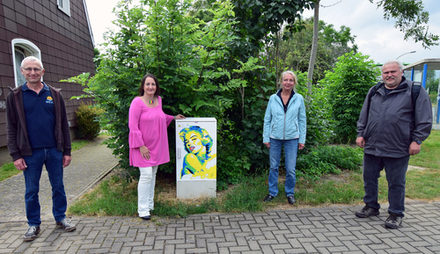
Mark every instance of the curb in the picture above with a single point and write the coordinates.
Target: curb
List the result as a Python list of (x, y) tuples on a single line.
[(94, 182)]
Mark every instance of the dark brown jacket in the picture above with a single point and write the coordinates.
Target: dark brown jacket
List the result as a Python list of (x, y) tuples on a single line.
[(18, 141)]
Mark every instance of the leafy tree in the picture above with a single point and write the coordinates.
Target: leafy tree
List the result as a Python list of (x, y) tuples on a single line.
[(96, 55), (432, 82), (256, 21), (187, 55), (259, 18), (319, 118), (295, 50), (411, 19), (312, 60), (347, 86)]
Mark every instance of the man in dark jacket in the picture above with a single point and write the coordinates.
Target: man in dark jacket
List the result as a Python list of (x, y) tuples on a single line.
[(38, 133), (390, 129)]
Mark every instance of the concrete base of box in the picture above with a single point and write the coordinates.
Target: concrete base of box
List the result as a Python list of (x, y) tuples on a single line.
[(196, 189)]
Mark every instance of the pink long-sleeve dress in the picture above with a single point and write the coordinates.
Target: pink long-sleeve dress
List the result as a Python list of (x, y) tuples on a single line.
[(148, 127)]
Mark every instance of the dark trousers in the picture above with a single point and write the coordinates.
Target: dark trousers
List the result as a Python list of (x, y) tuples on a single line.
[(395, 170), (53, 160)]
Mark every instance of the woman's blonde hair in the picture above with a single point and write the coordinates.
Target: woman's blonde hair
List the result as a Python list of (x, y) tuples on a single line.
[(295, 79)]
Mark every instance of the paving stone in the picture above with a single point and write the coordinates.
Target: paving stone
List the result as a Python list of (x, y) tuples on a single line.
[(332, 229)]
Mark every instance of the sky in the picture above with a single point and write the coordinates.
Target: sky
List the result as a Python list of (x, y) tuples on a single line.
[(375, 36)]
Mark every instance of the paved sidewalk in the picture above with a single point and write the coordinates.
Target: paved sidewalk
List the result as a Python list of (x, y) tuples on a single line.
[(310, 230), (332, 229)]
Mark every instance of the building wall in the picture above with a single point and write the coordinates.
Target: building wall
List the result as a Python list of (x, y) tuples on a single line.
[(65, 43)]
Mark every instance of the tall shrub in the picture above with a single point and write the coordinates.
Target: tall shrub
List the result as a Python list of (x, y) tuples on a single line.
[(187, 54), (319, 123), (347, 85), (204, 66), (248, 117)]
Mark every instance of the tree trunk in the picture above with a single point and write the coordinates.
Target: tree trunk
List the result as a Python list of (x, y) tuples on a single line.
[(314, 47)]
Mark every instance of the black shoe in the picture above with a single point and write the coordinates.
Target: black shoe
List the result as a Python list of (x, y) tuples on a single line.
[(268, 198), (66, 224), (393, 221), (31, 233), (367, 212), (291, 199), (148, 217)]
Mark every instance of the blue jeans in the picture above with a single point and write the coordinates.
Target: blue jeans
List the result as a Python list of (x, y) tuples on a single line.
[(290, 153), (395, 169), (53, 160)]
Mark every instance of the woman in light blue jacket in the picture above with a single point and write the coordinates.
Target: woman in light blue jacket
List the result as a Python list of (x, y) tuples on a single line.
[(284, 125)]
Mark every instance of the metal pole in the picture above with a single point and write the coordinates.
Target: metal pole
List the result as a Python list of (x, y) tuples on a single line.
[(411, 52), (425, 73), (438, 102)]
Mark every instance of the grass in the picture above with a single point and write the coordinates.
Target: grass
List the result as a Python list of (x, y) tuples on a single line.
[(119, 197), (423, 184), (346, 188), (79, 143), (116, 197), (112, 196), (429, 156), (8, 169)]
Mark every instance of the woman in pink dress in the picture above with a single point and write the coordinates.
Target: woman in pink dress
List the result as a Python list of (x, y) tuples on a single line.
[(148, 140)]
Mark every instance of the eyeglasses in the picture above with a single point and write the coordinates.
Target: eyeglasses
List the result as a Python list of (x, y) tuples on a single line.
[(29, 69)]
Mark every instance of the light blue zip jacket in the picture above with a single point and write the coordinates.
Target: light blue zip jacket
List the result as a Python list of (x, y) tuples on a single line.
[(285, 126)]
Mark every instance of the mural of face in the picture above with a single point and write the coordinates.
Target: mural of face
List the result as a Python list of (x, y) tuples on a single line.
[(194, 142), (200, 161)]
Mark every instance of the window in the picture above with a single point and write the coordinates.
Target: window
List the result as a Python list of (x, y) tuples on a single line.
[(22, 48), (64, 5)]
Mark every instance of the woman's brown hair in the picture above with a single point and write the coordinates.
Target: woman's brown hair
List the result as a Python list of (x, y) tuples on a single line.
[(141, 88)]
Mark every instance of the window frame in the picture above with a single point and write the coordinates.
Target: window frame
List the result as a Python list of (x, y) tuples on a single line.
[(27, 48), (64, 6)]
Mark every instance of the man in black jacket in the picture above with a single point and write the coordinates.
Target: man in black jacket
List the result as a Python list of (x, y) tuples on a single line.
[(38, 133), (390, 129)]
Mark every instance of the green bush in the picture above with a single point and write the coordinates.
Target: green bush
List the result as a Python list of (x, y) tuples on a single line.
[(197, 74), (433, 97), (87, 120), (200, 74), (328, 159), (347, 86), (319, 122)]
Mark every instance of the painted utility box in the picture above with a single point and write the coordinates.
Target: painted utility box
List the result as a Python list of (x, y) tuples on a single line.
[(196, 157)]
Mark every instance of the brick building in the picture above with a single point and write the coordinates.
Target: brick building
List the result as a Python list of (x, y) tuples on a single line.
[(56, 31)]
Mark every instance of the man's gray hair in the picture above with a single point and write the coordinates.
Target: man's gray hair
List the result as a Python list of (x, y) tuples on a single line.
[(393, 62), (31, 59)]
